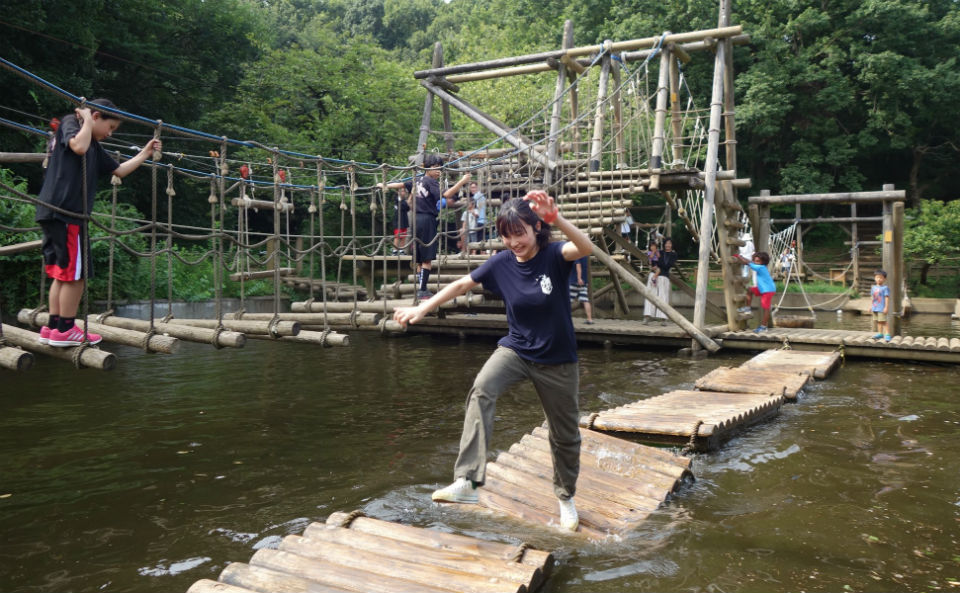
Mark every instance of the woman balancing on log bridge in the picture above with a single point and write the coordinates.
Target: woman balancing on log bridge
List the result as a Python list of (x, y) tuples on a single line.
[(540, 345)]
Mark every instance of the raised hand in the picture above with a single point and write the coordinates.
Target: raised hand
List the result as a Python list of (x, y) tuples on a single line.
[(543, 205)]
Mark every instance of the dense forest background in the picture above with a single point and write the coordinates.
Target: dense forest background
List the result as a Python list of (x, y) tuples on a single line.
[(832, 95)]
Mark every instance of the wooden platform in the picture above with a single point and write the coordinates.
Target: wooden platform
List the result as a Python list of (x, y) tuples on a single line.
[(350, 553), (620, 483), (746, 380), (701, 419), (854, 343), (816, 364)]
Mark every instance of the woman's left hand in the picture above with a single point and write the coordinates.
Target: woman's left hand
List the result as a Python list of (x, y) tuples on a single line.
[(543, 205)]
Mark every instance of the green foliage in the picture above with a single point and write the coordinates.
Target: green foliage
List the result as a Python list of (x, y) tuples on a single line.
[(932, 231), (19, 273)]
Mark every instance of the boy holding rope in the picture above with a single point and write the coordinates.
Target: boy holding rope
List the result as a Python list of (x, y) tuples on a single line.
[(66, 254)]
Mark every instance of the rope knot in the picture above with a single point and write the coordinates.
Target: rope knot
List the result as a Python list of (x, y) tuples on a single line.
[(517, 554), (145, 342), (350, 517), (692, 443)]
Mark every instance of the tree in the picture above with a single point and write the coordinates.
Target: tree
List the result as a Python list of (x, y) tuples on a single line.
[(932, 233)]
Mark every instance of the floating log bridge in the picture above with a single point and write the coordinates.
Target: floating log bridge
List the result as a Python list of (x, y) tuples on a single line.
[(620, 483), (356, 553), (224, 338), (729, 400)]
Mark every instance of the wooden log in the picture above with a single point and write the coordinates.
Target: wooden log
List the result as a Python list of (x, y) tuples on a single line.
[(575, 52), (257, 578), (22, 157), (283, 328), (397, 568), (515, 507), (329, 573), (15, 359), (379, 306), (672, 313), (460, 544), (319, 535), (127, 337), (358, 318), (831, 198), (320, 338), (90, 357), (230, 339), (20, 247), (260, 274), (208, 586), (262, 204)]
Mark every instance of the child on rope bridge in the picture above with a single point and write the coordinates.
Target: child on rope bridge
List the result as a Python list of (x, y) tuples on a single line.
[(75, 148), (540, 344)]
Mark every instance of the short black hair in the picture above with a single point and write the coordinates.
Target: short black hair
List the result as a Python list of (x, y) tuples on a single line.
[(103, 103), (763, 256), (516, 211), (880, 273), (432, 160)]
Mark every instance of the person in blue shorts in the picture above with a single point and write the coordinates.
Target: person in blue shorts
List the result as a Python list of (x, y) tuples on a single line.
[(531, 277), (880, 304)]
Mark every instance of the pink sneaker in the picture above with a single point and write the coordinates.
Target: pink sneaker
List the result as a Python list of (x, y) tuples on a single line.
[(71, 337), (44, 335)]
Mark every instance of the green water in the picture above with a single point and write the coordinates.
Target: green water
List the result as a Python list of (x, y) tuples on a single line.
[(163, 471)]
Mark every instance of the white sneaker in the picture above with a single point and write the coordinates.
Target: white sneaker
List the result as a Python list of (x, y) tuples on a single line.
[(745, 310), (569, 519), (461, 490)]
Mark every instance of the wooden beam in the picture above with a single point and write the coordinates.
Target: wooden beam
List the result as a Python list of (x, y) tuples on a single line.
[(831, 198), (20, 247), (22, 157)]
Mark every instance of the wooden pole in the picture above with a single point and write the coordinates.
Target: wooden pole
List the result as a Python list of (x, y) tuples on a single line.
[(577, 149), (262, 204), (899, 282), (621, 302), (702, 338), (555, 113), (710, 168), (660, 119), (486, 122), (20, 247), (15, 359), (761, 242), (855, 247), (731, 289), (618, 119), (444, 106), (596, 145), (323, 338), (830, 198), (676, 122), (156, 343), (22, 157), (230, 339), (93, 358), (618, 47), (282, 329), (730, 130)]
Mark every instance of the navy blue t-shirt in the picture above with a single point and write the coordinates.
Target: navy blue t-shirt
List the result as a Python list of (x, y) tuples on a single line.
[(584, 262), (538, 303)]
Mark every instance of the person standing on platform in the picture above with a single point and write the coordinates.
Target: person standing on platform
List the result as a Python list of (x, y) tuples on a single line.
[(578, 286), (540, 344), (653, 283), (429, 200), (481, 201), (75, 150), (765, 287), (880, 304)]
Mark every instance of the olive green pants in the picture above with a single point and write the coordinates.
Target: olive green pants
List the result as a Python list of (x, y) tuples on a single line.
[(557, 385)]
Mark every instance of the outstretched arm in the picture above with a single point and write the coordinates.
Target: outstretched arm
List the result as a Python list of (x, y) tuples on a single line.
[(579, 244), (128, 166), (405, 315), (454, 189)]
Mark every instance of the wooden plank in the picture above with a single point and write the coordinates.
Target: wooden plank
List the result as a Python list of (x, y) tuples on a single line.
[(243, 577), (634, 455), (955, 344), (740, 380), (396, 568), (461, 544), (319, 535), (208, 586), (333, 574), (819, 364)]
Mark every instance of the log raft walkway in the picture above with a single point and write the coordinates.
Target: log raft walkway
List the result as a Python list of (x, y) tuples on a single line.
[(621, 483)]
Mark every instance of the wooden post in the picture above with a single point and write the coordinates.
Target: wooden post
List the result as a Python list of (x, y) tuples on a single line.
[(701, 338), (725, 250), (855, 247), (887, 238), (444, 106), (710, 168), (799, 262), (730, 132), (15, 359), (899, 282), (761, 238), (676, 122), (621, 302), (552, 141), (660, 118), (422, 140), (618, 119), (597, 144)]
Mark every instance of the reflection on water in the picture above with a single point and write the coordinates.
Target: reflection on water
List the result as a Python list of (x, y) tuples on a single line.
[(165, 470)]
